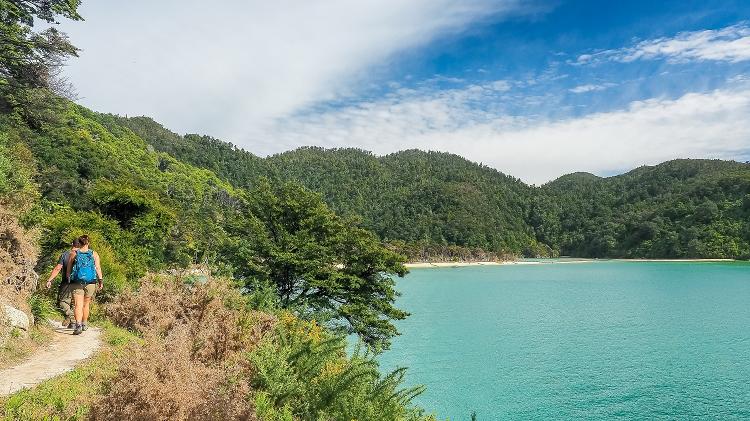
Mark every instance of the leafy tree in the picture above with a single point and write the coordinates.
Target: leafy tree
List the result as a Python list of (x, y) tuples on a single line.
[(30, 62), (317, 261), (706, 211)]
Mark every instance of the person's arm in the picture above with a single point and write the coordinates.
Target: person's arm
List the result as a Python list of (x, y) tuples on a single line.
[(71, 258), (54, 274), (99, 277)]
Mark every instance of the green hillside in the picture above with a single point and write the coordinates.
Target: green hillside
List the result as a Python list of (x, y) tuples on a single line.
[(251, 274), (150, 211), (682, 208), (677, 209), (413, 196), (313, 275)]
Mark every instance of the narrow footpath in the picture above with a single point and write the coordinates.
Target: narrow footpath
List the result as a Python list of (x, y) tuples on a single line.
[(60, 356)]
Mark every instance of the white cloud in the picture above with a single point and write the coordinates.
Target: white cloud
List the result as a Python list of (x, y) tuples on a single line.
[(731, 44), (590, 88), (696, 125), (259, 73), (231, 67)]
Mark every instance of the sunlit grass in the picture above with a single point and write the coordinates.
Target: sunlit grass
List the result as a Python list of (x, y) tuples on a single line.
[(19, 346), (69, 396)]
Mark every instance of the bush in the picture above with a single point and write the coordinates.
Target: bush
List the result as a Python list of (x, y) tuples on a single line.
[(165, 381), (190, 366), (303, 371), (109, 241), (42, 307), (209, 355)]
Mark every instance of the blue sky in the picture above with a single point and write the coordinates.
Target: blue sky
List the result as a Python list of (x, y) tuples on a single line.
[(535, 89)]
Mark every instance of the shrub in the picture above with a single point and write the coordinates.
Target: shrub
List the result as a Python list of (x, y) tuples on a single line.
[(209, 355), (304, 371), (190, 366), (42, 308), (163, 380)]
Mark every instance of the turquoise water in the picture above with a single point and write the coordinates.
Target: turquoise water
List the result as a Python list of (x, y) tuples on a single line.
[(600, 340)]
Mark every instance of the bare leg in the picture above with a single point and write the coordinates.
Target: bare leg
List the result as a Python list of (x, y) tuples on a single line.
[(86, 305), (78, 307)]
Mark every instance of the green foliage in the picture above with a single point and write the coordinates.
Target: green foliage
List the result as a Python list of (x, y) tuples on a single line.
[(145, 210), (68, 396), (412, 196), (427, 202), (42, 308), (30, 62), (317, 261), (303, 373), (678, 209), (17, 190), (262, 296), (240, 167), (25, 11)]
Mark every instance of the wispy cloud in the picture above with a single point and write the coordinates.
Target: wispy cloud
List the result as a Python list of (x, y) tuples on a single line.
[(699, 125), (222, 70), (273, 76), (730, 44), (590, 88)]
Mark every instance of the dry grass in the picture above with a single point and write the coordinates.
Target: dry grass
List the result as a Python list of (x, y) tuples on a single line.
[(191, 367), (163, 381)]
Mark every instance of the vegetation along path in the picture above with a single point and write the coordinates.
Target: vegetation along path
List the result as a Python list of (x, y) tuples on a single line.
[(58, 357)]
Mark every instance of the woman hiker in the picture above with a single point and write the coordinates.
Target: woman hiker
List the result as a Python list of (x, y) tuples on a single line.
[(85, 279), (64, 297)]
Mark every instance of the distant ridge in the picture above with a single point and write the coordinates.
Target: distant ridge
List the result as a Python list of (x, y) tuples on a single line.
[(683, 208)]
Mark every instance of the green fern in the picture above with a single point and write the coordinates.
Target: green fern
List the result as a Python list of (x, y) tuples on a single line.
[(42, 308), (315, 379)]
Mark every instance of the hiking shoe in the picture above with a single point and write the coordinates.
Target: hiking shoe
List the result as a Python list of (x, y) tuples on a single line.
[(78, 330), (71, 325), (84, 327)]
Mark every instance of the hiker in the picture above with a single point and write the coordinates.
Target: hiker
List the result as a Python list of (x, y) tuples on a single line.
[(64, 296), (85, 278)]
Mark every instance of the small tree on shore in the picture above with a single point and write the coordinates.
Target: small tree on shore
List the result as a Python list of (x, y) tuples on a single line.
[(318, 262)]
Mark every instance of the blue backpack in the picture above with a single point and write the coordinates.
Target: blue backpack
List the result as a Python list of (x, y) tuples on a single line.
[(84, 270)]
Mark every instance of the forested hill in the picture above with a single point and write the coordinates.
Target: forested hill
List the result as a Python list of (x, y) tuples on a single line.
[(418, 197), (681, 208)]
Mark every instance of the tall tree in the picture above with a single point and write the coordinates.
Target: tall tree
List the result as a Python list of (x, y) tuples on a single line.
[(318, 262), (31, 62)]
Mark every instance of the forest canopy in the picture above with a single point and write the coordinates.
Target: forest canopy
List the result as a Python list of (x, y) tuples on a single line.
[(429, 202)]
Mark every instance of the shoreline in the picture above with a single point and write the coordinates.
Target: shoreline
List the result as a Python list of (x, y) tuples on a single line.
[(423, 265), (416, 265)]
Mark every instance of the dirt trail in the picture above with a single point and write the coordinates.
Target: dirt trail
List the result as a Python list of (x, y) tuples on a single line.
[(58, 357)]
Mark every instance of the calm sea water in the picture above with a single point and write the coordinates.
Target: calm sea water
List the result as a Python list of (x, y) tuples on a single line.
[(600, 340)]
